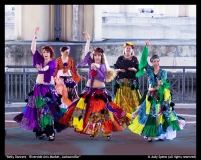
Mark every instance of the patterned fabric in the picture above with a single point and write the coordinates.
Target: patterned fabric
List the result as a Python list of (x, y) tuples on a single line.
[(100, 73), (135, 64), (127, 95), (95, 112), (156, 115), (156, 121), (153, 78), (70, 66), (42, 110), (38, 59), (66, 87)]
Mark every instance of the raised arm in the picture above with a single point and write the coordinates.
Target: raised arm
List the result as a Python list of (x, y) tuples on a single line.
[(143, 60), (87, 42), (33, 44)]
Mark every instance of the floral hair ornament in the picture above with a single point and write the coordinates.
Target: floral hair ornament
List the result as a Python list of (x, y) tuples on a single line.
[(98, 50), (154, 57), (129, 44), (68, 48)]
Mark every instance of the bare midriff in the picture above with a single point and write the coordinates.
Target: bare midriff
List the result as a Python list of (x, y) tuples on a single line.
[(40, 79), (60, 73), (96, 84)]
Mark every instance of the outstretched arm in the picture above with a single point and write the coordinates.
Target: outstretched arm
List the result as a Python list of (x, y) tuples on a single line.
[(87, 42), (143, 60), (33, 44)]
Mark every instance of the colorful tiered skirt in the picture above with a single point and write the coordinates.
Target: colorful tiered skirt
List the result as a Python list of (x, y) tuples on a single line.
[(95, 112), (42, 111), (155, 119)]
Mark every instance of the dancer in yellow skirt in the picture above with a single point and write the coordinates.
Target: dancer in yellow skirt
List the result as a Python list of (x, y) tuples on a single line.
[(95, 111), (127, 93), (155, 117)]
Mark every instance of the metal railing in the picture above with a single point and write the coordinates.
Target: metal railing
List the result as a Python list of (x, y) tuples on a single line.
[(20, 80)]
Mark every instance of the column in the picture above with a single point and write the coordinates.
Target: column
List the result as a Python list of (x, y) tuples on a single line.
[(182, 10), (75, 19), (131, 9), (191, 10), (123, 8), (126, 9), (171, 10), (159, 9), (97, 23), (66, 22), (27, 17)]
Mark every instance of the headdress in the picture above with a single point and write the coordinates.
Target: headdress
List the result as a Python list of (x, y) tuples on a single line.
[(154, 57), (129, 44), (68, 48), (98, 50)]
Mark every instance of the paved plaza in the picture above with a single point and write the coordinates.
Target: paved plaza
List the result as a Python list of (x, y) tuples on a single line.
[(23, 142)]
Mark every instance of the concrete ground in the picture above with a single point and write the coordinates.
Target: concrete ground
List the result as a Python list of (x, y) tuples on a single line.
[(23, 142)]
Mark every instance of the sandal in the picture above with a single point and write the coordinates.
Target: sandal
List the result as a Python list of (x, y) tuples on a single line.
[(109, 138), (51, 138), (149, 139), (91, 137), (41, 136)]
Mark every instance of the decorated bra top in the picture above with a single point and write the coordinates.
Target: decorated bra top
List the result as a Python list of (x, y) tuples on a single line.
[(99, 74), (38, 59)]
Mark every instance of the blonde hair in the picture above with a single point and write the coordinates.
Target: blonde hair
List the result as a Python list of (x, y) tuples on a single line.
[(132, 53), (111, 72)]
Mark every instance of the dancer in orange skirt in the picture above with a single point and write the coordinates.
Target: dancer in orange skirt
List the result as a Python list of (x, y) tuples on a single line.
[(66, 78), (95, 111)]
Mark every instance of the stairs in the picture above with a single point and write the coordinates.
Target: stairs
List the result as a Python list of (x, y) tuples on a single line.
[(147, 25)]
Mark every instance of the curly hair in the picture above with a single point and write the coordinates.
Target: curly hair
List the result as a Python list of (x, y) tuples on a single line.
[(48, 49)]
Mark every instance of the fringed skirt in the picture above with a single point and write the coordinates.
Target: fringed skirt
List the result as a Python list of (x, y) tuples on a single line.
[(42, 112), (93, 112), (155, 118), (127, 95)]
